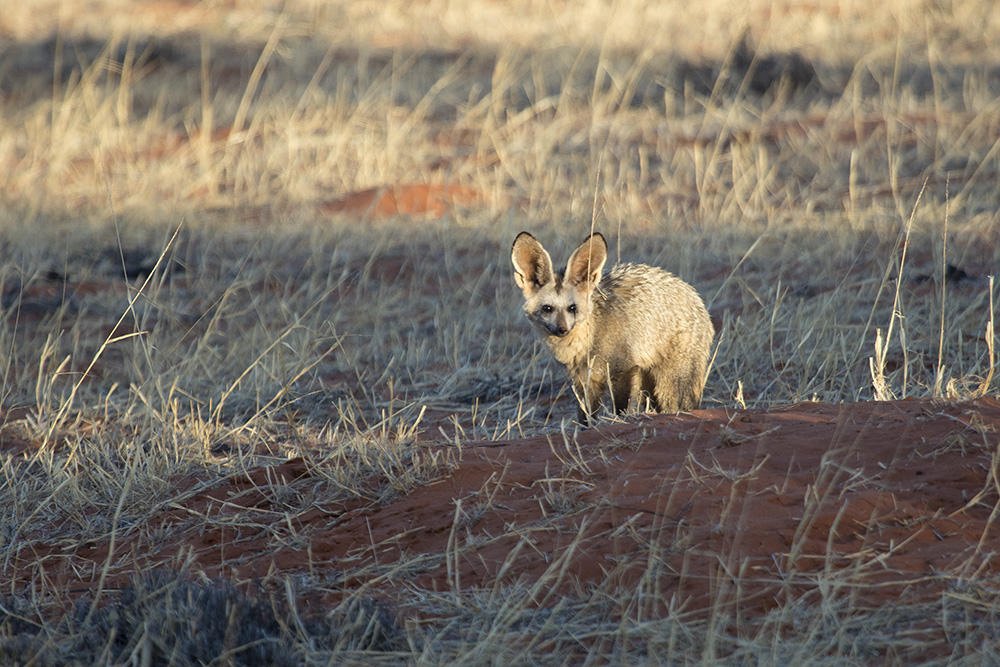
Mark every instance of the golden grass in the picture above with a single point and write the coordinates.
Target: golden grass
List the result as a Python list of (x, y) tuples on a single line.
[(818, 217)]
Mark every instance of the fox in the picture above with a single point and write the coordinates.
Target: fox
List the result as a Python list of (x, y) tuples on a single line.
[(639, 331)]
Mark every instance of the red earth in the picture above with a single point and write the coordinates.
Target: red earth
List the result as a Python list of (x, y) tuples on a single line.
[(431, 200), (747, 508)]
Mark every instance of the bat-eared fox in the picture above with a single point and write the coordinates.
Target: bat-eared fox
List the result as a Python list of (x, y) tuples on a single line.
[(639, 330)]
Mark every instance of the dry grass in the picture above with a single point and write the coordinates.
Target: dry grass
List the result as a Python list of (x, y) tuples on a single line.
[(178, 304)]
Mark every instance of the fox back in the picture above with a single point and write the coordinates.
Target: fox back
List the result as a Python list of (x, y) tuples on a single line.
[(640, 331)]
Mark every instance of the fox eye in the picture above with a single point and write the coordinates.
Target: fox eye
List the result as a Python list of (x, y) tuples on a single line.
[(572, 308), (546, 308)]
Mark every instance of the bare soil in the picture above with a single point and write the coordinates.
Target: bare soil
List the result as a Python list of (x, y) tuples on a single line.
[(742, 509)]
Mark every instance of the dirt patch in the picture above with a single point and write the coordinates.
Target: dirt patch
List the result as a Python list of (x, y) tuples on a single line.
[(715, 509), (432, 200)]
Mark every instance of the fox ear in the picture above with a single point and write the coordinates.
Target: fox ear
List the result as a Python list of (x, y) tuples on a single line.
[(532, 264), (586, 263)]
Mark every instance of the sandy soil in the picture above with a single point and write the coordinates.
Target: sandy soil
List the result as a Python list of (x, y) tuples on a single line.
[(742, 508)]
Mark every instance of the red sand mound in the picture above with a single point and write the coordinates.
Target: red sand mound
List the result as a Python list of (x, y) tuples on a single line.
[(412, 199), (717, 508)]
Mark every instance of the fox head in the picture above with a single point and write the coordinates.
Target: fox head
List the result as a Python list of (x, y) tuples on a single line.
[(555, 304)]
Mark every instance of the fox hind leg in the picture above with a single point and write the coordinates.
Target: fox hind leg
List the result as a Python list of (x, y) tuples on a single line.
[(679, 389), (667, 388)]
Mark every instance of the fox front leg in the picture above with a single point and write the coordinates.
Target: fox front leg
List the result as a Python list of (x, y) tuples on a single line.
[(625, 385), (588, 398)]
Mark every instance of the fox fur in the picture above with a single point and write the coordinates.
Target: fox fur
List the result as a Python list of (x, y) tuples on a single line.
[(639, 330)]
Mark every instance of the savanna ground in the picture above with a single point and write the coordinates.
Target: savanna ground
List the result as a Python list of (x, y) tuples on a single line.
[(268, 396)]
